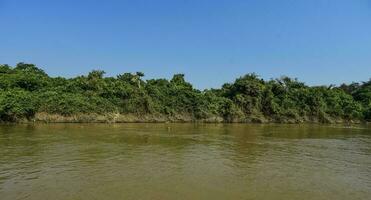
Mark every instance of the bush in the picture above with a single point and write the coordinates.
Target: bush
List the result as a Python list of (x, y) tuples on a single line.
[(17, 104), (27, 89)]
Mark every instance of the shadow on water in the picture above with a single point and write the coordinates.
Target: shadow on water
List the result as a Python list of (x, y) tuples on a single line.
[(310, 131)]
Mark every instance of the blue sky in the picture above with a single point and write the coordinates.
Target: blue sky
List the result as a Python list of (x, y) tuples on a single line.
[(211, 41)]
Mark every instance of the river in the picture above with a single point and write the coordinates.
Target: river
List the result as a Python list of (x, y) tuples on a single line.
[(184, 161)]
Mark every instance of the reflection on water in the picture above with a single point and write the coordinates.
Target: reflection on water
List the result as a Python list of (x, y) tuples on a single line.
[(184, 161)]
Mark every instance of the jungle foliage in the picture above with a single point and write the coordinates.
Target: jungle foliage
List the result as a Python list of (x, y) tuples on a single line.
[(26, 90)]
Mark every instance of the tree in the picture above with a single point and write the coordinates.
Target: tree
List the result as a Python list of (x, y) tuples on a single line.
[(27, 89)]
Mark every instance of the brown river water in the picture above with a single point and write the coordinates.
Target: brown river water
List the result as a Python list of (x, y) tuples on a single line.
[(184, 161)]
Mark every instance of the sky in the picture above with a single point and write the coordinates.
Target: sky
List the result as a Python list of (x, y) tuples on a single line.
[(212, 42)]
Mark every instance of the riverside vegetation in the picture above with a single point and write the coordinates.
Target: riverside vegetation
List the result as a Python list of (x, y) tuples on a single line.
[(27, 93)]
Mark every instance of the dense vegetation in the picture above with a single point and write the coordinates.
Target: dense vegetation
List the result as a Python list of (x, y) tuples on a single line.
[(27, 92)]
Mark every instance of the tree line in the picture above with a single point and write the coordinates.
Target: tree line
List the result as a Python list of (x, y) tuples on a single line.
[(26, 90)]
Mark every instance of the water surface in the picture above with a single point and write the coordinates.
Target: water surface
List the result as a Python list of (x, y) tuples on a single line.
[(184, 161)]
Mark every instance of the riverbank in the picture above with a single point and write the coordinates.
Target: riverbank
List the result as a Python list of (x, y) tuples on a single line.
[(27, 92), (160, 118)]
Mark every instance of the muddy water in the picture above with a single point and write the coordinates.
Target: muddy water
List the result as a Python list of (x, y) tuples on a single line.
[(184, 161)]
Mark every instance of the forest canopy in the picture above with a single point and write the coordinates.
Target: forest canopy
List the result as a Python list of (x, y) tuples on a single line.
[(26, 91)]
